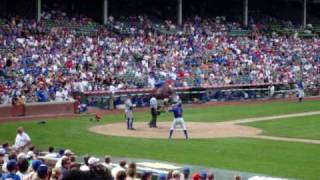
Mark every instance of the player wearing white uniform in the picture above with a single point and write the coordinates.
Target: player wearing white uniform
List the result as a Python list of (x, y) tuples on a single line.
[(178, 120), (129, 113)]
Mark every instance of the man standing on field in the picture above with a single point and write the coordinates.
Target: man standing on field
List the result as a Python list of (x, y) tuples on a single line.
[(178, 119), (154, 112), (129, 113)]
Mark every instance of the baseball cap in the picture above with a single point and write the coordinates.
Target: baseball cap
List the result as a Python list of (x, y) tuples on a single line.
[(93, 161), (162, 176), (68, 152), (203, 175), (35, 164), (186, 170), (30, 154), (61, 152), (11, 165), (42, 170), (22, 156)]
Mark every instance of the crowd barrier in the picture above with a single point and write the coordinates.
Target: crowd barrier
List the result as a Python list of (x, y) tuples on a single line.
[(141, 97), (38, 109)]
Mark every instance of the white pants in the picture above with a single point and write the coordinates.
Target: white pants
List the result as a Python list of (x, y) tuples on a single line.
[(178, 121), (300, 93)]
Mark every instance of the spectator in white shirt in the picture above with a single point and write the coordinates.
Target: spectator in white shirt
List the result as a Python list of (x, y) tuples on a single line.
[(107, 162), (59, 95), (22, 139)]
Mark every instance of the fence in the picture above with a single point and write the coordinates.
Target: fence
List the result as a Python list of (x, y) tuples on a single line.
[(140, 97), (37, 109)]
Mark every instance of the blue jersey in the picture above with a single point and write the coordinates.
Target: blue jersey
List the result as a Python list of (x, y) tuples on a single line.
[(177, 111), (300, 85)]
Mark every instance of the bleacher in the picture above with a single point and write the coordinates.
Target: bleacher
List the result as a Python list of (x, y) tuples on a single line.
[(239, 32), (81, 29)]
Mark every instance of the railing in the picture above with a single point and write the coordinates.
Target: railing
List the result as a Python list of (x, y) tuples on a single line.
[(110, 100)]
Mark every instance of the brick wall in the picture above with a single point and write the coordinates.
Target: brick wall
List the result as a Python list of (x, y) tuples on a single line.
[(38, 109)]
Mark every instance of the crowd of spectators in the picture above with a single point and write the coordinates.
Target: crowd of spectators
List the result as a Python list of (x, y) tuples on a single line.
[(41, 63), (33, 166), (22, 161)]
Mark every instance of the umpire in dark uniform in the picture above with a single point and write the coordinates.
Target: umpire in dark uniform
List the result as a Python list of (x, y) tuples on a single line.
[(154, 112)]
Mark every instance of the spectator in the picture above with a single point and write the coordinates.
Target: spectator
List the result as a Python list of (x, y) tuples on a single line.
[(120, 167), (132, 172), (162, 177), (22, 139), (237, 178), (210, 176), (93, 162), (12, 169), (2, 154), (56, 174), (146, 176), (35, 165), (51, 153), (107, 162), (203, 175), (170, 175), (186, 173), (85, 165), (65, 166), (121, 175), (42, 172), (66, 154), (176, 175), (23, 167), (196, 176)]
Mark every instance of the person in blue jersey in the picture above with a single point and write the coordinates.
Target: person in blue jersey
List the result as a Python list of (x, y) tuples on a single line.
[(300, 91), (178, 119)]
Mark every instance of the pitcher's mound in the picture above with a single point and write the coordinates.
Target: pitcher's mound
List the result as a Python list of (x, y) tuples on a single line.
[(195, 130)]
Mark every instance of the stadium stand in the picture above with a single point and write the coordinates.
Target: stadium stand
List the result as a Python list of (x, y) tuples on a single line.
[(84, 56)]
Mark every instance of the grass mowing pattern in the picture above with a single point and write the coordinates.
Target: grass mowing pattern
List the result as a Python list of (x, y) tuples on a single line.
[(283, 159), (307, 127)]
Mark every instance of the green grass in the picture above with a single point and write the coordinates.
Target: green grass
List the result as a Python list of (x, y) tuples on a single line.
[(307, 127), (227, 113), (296, 160)]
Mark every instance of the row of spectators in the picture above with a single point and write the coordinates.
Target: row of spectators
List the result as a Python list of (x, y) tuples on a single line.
[(44, 63), (22, 161)]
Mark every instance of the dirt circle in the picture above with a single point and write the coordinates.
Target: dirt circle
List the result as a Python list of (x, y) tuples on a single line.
[(196, 130)]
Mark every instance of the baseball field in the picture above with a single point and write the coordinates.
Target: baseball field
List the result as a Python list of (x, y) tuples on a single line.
[(285, 143)]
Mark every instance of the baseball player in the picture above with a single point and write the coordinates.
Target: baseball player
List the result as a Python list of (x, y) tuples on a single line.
[(129, 113), (178, 119), (300, 91)]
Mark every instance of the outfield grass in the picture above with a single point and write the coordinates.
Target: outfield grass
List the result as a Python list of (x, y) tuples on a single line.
[(307, 127), (227, 113), (296, 160)]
